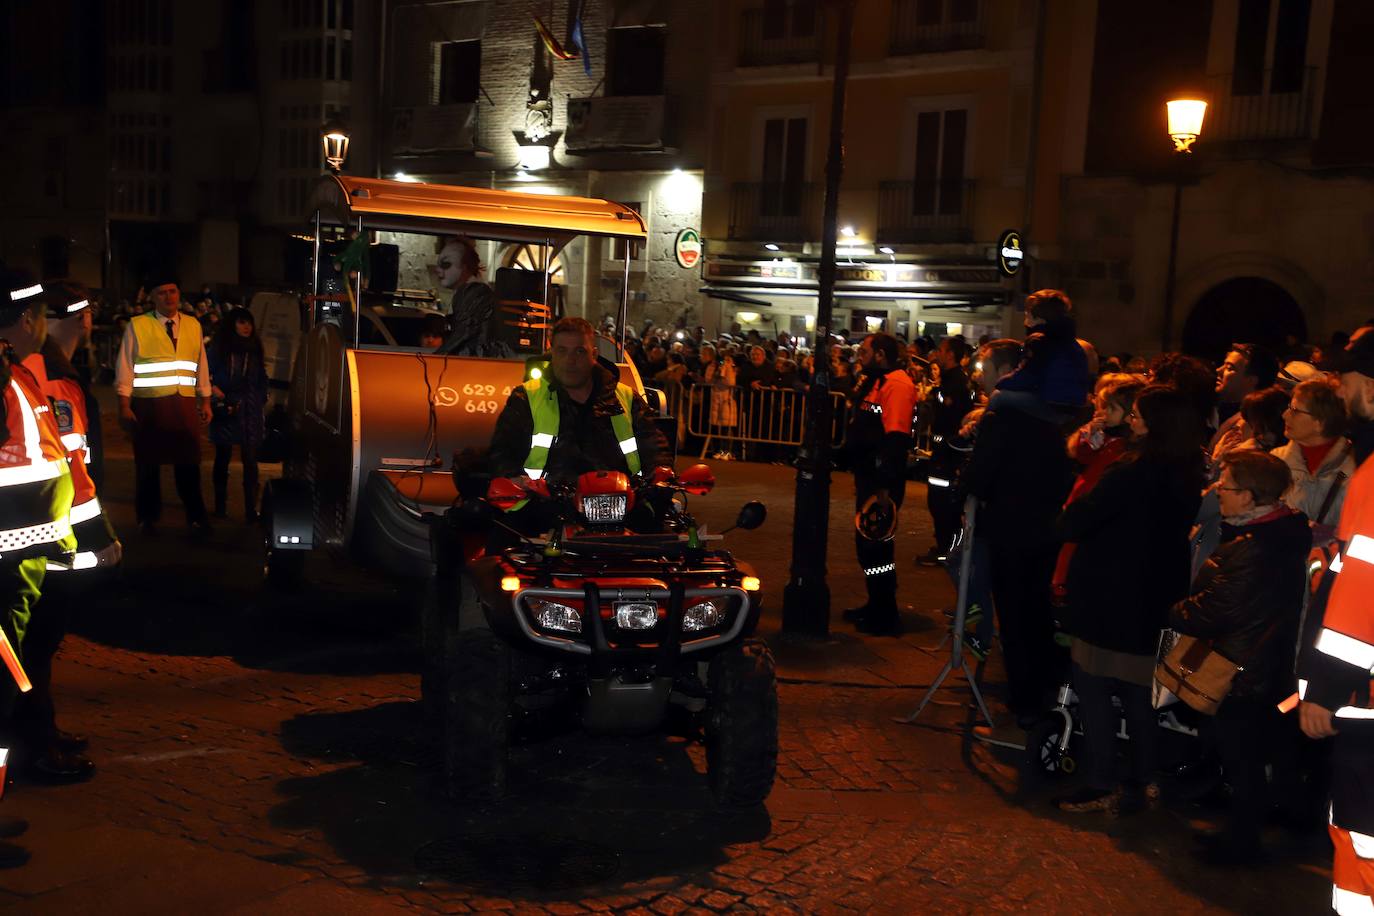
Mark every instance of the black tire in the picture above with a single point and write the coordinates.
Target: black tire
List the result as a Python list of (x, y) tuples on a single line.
[(742, 724), (477, 716), (1044, 760)]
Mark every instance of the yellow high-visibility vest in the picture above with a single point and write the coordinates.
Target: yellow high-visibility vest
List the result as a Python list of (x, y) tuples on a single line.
[(160, 369)]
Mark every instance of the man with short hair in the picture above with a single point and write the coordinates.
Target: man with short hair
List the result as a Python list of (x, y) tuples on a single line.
[(879, 439), (163, 382), (578, 417), (1246, 369)]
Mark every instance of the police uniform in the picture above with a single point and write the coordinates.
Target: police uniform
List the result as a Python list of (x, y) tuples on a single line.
[(1338, 677), (36, 493), (879, 439), (35, 715)]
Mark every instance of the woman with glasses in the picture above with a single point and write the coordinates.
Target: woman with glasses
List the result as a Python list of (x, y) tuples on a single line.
[(1318, 456)]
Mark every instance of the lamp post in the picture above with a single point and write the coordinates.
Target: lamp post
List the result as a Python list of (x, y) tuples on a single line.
[(1185, 116), (334, 138)]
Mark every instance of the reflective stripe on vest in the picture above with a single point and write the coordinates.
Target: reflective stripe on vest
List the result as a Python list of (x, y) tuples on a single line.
[(544, 412), (160, 369)]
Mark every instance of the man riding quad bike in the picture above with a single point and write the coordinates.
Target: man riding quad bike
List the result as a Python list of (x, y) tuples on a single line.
[(598, 591)]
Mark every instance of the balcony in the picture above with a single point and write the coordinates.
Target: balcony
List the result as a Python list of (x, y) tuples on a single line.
[(424, 129), (932, 26), (1261, 105), (925, 211), (621, 123), (789, 34), (774, 211)]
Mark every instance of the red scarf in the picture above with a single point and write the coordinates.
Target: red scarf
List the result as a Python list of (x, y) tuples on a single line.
[(1314, 455)]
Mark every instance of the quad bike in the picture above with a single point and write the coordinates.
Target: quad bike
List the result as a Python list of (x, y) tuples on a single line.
[(619, 613)]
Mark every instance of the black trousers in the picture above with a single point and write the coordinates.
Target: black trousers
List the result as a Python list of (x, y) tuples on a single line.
[(248, 455), (1100, 726), (148, 491), (1021, 575), (35, 715), (1244, 731), (877, 559), (946, 509)]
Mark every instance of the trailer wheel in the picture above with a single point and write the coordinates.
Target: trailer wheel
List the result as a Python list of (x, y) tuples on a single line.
[(742, 724), (477, 716)]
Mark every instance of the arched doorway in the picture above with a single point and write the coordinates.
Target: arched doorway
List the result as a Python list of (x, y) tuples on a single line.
[(1249, 309)]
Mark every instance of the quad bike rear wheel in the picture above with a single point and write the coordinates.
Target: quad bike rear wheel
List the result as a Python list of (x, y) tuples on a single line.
[(477, 715), (742, 724)]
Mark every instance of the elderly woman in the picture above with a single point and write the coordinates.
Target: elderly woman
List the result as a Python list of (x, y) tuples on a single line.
[(1319, 458), (1247, 600)]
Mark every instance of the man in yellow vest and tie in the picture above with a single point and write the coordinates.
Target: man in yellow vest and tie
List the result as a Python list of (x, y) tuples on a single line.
[(163, 382)]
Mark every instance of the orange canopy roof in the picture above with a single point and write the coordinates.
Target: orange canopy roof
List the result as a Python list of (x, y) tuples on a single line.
[(406, 206)]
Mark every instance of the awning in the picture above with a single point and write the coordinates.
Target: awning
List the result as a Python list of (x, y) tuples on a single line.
[(731, 296)]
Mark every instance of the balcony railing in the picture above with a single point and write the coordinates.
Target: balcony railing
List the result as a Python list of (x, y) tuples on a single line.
[(774, 211), (619, 122), (925, 211), (421, 129), (931, 26), (1261, 105), (790, 34)]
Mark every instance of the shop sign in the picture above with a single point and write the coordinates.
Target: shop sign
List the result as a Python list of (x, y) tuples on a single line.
[(687, 248), (1010, 254)]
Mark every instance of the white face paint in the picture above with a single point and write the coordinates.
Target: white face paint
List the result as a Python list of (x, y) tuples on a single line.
[(449, 267)]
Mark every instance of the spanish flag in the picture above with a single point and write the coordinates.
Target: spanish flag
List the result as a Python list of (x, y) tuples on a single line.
[(551, 43)]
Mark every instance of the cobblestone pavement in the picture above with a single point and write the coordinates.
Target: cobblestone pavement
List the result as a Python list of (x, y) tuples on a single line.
[(266, 755)]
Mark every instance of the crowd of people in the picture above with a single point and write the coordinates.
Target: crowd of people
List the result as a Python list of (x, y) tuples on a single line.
[(1120, 501)]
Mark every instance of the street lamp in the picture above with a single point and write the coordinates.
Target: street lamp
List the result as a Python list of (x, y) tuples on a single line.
[(334, 137), (1185, 116)]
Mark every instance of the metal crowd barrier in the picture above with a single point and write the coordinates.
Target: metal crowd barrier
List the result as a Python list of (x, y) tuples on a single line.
[(762, 416)]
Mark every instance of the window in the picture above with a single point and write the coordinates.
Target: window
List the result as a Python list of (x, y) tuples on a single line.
[(938, 175), (634, 60), (940, 12), (784, 166), (789, 19), (617, 246), (1271, 40), (460, 71)]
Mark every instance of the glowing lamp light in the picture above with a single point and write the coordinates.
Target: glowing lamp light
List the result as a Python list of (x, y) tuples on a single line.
[(771, 246), (747, 317), (402, 176), (750, 583), (510, 583), (847, 231), (1185, 122), (885, 250), (334, 137), (533, 158)]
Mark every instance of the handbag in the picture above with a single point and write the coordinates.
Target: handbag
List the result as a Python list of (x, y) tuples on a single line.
[(1195, 672)]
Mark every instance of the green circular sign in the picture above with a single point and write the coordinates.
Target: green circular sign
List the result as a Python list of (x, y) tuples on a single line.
[(687, 249), (1010, 254)]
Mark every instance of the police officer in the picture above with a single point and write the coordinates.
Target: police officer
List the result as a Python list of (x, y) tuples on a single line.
[(879, 439), (35, 490), (53, 755), (579, 417)]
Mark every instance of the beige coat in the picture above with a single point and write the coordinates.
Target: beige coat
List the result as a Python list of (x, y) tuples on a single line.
[(1308, 492)]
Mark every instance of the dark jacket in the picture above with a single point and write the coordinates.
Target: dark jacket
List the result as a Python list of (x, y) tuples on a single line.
[(1021, 473), (1054, 367), (585, 440), (1248, 598), (1131, 563), (241, 374), (948, 405)]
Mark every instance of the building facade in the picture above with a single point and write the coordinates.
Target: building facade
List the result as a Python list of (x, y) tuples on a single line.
[(1274, 202), (475, 96), (944, 151)]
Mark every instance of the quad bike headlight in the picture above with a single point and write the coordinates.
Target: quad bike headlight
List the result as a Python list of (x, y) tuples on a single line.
[(609, 507), (636, 615), (550, 615), (706, 614)]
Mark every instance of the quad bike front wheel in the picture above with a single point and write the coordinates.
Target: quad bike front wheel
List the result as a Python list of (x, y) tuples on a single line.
[(477, 715), (742, 724)]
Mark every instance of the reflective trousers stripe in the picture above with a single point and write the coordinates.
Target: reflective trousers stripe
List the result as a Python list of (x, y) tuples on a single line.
[(879, 570), (12, 539), (85, 512), (83, 560)]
